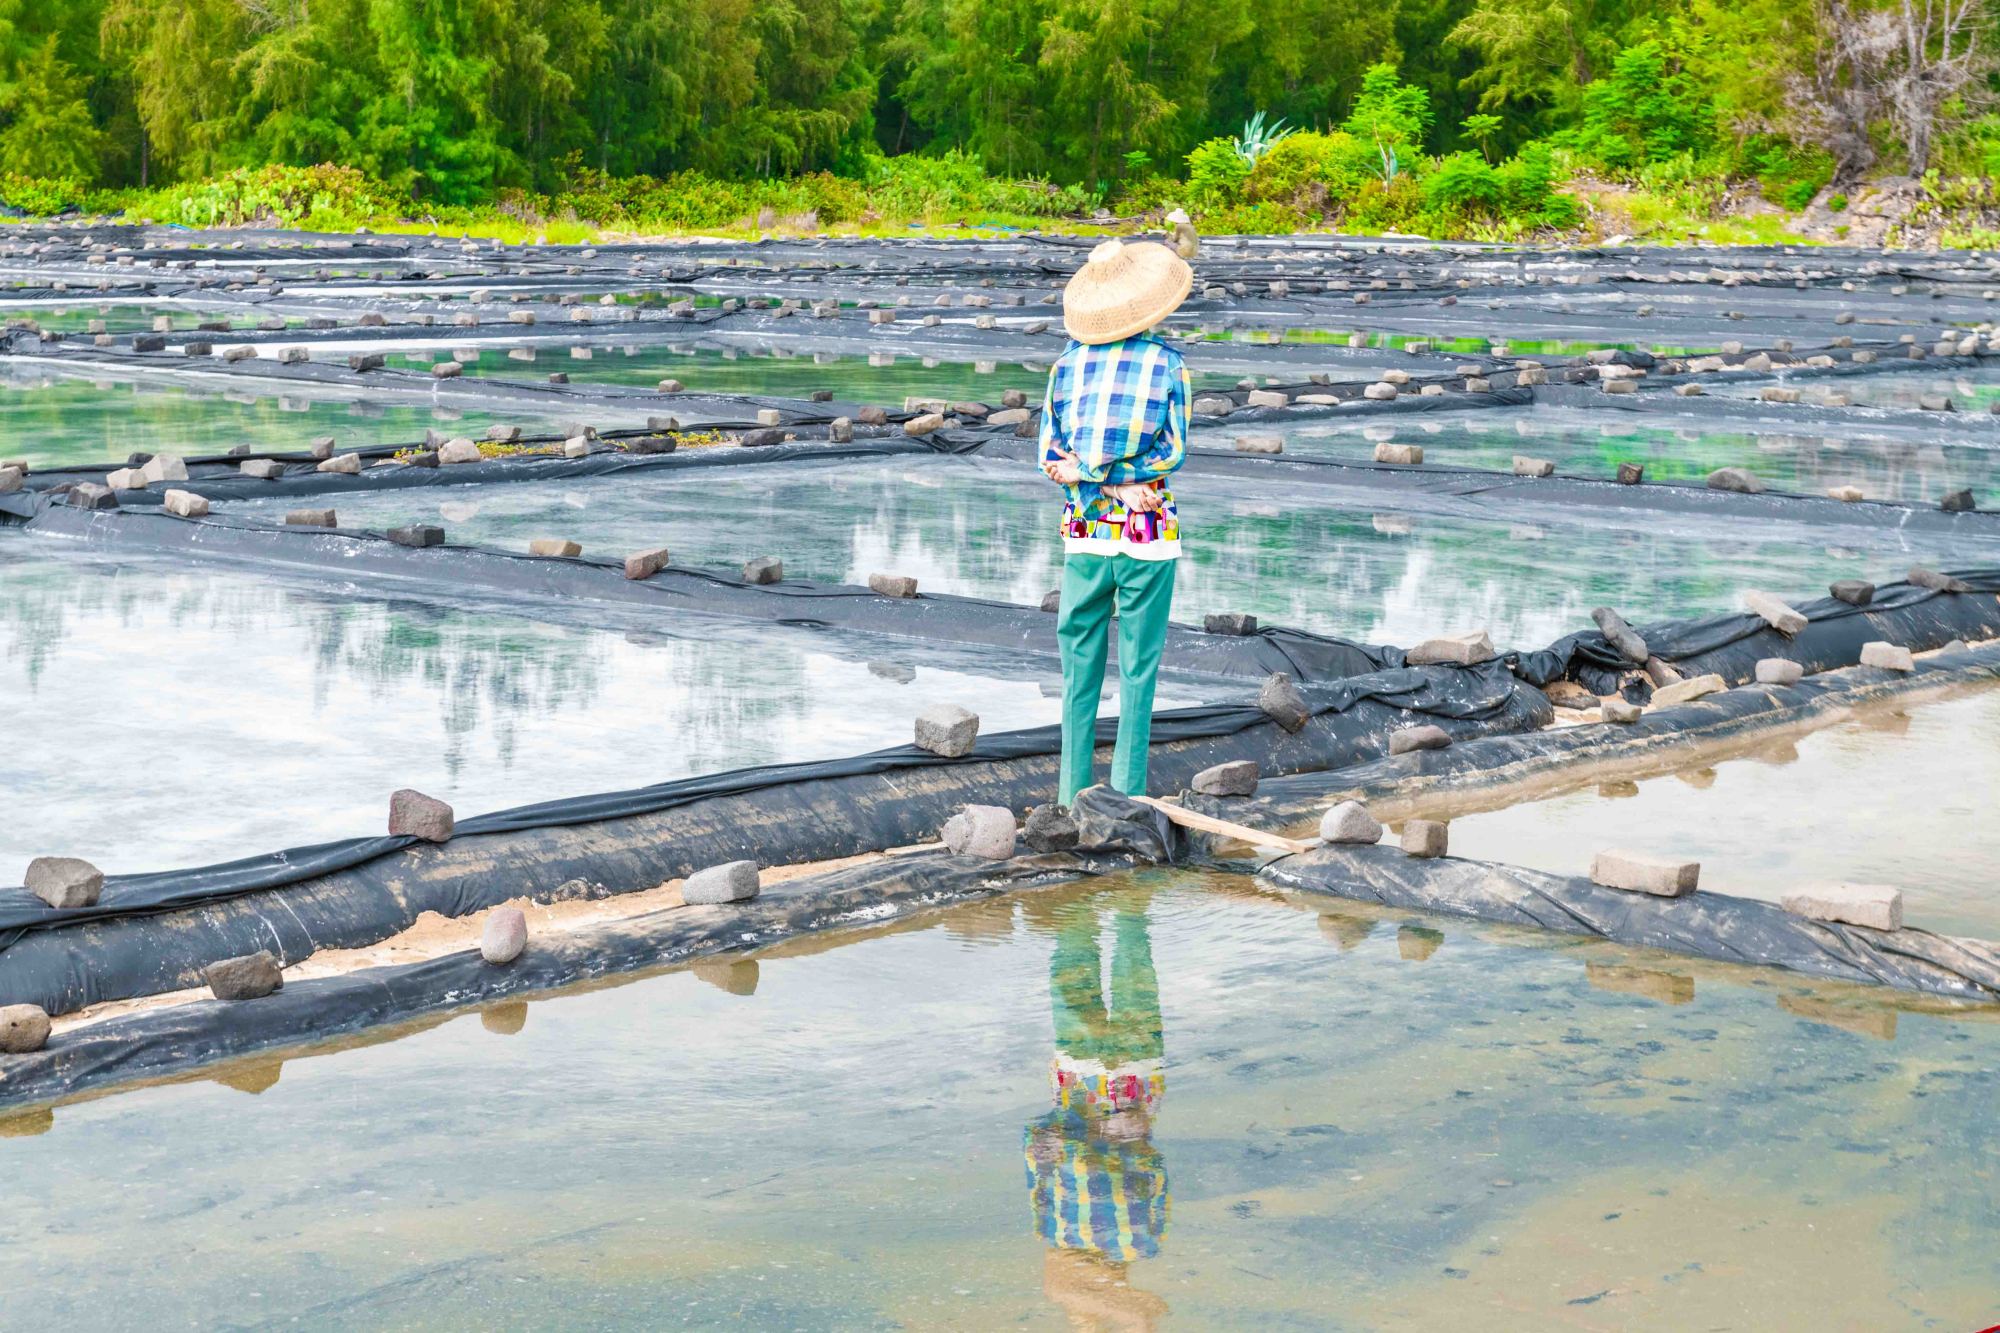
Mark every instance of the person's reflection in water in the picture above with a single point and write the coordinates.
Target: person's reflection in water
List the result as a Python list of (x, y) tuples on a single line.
[(1098, 1184)]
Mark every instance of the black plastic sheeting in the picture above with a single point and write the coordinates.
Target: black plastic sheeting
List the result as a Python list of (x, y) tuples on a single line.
[(1477, 491), (181, 1036), (1704, 925), (1732, 719), (360, 890), (354, 557), (1731, 645)]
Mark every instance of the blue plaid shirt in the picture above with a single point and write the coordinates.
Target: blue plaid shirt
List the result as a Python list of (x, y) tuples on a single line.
[(1122, 409)]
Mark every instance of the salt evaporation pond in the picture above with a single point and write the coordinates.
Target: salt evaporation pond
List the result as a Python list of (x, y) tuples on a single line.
[(988, 528), (165, 714), (1368, 1121), (61, 420), (1592, 444), (1892, 797)]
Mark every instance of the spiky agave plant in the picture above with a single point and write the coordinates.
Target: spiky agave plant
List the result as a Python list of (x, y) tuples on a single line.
[(1258, 138)]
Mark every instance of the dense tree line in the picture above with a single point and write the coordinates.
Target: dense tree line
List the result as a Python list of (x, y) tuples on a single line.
[(453, 99)]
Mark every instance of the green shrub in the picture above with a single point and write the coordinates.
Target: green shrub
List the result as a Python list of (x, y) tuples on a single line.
[(325, 196), (1216, 174), (1836, 203), (1644, 110), (1467, 184), (1310, 171), (42, 197)]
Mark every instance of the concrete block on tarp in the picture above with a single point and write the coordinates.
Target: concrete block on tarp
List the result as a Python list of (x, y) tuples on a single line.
[(730, 882), (66, 882), (250, 977), (1350, 823), (948, 730)]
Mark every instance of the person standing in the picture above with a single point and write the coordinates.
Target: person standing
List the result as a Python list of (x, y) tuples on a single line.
[(1114, 429)]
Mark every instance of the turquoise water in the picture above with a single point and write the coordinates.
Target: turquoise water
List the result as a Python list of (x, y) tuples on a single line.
[(1593, 444), (988, 529), (55, 420), (1893, 798), (1366, 1122), (166, 714)]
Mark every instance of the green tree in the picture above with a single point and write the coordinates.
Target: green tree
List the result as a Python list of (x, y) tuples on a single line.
[(49, 130)]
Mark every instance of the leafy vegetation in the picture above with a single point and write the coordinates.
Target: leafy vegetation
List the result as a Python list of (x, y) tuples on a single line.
[(564, 117)]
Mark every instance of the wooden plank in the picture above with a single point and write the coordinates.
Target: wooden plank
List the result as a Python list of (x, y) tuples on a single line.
[(1194, 819)]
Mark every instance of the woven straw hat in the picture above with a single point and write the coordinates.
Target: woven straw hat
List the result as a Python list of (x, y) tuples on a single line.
[(1123, 290)]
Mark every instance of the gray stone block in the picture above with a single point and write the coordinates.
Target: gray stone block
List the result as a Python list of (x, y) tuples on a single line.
[(730, 882), (417, 534), (645, 564), (64, 881), (1637, 873), (321, 447), (366, 361), (1935, 582), (763, 569), (184, 504), (347, 464), (250, 977), (948, 730), (1631, 474), (1525, 466), (924, 424), (840, 430), (1888, 656), (1403, 455), (1418, 738), (1238, 777), (1876, 906), (1456, 650), (1229, 622), (164, 467), (505, 935), (761, 438), (1260, 444), (1685, 691), (1779, 671), (1620, 635), (1049, 828), (1617, 708), (263, 469), (1281, 701), (458, 451), (1426, 839), (892, 585), (415, 815), (1052, 601), (23, 1028), (1774, 612), (312, 518), (555, 547), (1958, 502), (1734, 479), (1854, 592), (984, 831), (1349, 823), (447, 370)]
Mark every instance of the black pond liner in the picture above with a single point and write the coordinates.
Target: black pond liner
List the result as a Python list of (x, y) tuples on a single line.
[(180, 1037), (358, 558), (1730, 645), (360, 890), (1703, 925), (1730, 718)]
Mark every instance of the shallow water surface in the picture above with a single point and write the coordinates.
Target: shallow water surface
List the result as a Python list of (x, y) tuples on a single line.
[(59, 420), (1329, 1118), (1592, 444), (1899, 798), (1298, 556), (169, 714)]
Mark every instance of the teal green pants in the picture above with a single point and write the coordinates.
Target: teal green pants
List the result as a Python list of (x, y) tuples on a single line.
[(1139, 592)]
